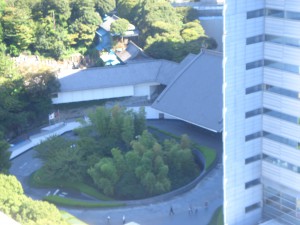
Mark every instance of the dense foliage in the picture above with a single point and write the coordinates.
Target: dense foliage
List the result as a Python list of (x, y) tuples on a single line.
[(51, 28), (23, 209), (165, 32), (4, 155), (25, 96), (117, 154), (55, 28)]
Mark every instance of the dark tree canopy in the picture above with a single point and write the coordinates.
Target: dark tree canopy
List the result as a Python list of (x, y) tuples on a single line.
[(50, 28), (4, 155), (105, 6), (24, 98), (165, 32)]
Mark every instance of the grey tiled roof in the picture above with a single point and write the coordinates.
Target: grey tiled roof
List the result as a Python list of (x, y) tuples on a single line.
[(195, 95), (132, 73), (193, 92)]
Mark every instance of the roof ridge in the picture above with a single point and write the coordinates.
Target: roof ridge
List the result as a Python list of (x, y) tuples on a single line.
[(178, 75)]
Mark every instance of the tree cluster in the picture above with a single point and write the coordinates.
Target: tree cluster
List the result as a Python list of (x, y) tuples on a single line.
[(25, 97), (4, 155), (51, 28), (165, 32), (117, 154), (23, 209)]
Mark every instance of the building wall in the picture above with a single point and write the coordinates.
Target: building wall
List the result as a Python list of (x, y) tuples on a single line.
[(281, 155), (105, 93), (95, 94), (145, 89), (261, 111), (242, 188)]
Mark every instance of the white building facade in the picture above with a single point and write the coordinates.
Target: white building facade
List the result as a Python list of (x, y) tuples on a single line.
[(261, 97)]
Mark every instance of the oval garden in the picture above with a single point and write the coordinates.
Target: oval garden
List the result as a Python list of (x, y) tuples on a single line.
[(114, 155)]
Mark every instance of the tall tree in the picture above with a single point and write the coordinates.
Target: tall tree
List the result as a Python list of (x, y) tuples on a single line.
[(150, 11), (62, 160), (126, 9), (51, 39), (105, 6), (128, 130), (4, 155), (39, 86), (119, 27), (105, 175), (83, 22), (58, 10), (192, 31), (12, 114), (18, 28)]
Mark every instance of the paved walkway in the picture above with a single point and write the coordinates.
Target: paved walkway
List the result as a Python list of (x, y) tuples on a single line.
[(209, 189), (34, 140)]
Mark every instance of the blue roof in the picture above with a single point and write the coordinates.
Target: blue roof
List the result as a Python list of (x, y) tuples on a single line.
[(104, 40)]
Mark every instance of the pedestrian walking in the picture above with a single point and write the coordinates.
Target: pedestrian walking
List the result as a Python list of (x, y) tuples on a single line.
[(205, 205), (123, 219), (108, 219), (171, 211), (190, 210), (196, 210)]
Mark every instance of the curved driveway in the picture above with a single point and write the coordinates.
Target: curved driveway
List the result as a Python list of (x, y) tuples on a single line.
[(209, 189)]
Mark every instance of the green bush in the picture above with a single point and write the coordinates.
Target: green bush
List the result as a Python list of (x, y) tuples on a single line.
[(209, 154), (77, 203)]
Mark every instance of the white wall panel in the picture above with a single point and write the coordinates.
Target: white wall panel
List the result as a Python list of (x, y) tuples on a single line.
[(280, 175), (255, 26), (87, 95), (281, 103), (281, 127), (252, 101), (282, 79), (282, 53), (254, 52), (253, 77), (290, 5), (253, 124), (143, 90), (252, 171), (281, 151), (278, 4), (287, 27), (252, 147)]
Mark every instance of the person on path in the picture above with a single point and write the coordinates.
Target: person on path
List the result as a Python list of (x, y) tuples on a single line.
[(196, 210), (171, 211), (190, 210), (123, 219), (108, 219), (206, 205)]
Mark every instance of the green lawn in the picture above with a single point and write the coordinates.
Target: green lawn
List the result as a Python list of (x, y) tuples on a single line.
[(72, 220), (78, 203), (80, 187), (217, 218)]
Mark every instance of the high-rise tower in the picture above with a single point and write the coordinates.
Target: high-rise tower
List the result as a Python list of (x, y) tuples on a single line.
[(261, 92)]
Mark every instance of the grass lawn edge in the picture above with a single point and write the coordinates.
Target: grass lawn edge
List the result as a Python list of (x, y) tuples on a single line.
[(57, 200), (217, 218)]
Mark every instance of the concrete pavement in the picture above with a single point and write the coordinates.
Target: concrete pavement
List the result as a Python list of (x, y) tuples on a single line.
[(34, 140), (209, 189)]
